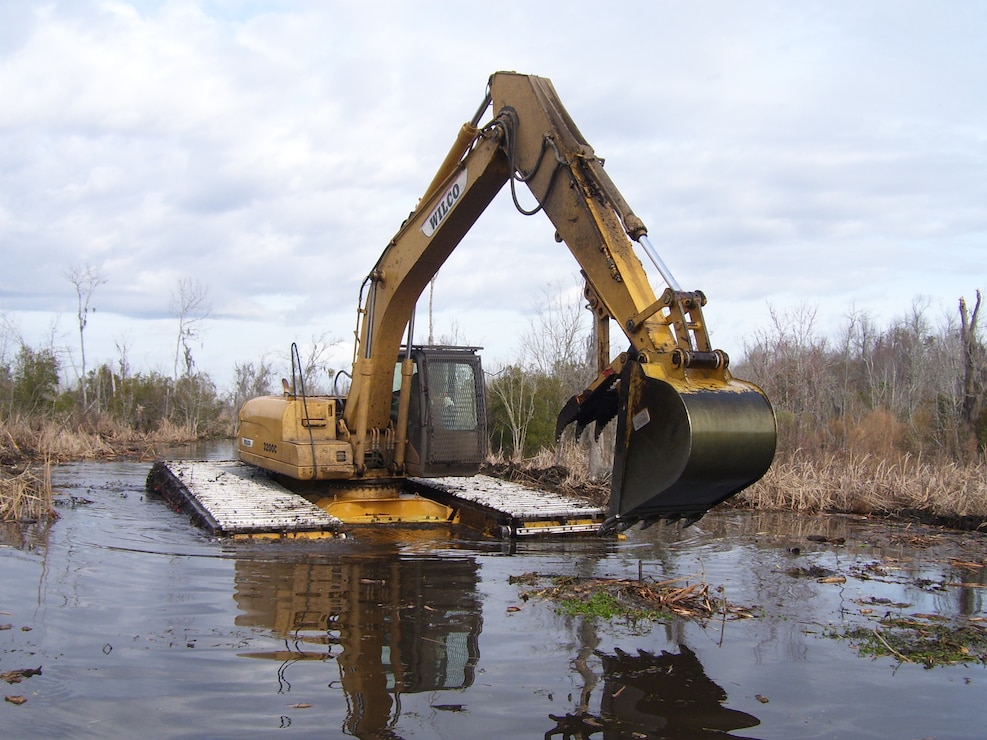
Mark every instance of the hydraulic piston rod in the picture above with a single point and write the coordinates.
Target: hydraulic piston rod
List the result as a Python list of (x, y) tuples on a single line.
[(658, 262)]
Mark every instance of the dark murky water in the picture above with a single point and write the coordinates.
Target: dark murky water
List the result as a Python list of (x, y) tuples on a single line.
[(146, 627)]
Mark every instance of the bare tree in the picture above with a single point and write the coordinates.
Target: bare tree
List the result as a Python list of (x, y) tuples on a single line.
[(252, 380), (974, 363), (315, 369), (190, 305), (514, 387), (555, 344), (790, 361), (86, 280), (552, 367), (123, 350)]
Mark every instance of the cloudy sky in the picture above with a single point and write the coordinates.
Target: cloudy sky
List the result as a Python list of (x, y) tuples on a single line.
[(831, 155)]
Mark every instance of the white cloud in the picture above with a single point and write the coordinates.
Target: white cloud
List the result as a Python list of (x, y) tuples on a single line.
[(831, 153)]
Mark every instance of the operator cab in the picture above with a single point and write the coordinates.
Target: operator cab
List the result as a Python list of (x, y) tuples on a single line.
[(447, 415)]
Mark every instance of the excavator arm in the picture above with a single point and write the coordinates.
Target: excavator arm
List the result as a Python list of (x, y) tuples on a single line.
[(689, 434)]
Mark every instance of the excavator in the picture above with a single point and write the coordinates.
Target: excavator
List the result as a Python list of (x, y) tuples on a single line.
[(688, 434)]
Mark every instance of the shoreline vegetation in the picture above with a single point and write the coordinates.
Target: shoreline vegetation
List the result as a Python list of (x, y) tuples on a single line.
[(872, 420), (29, 450), (907, 487), (947, 493)]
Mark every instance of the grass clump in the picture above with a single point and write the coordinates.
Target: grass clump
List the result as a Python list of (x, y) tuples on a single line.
[(604, 605)]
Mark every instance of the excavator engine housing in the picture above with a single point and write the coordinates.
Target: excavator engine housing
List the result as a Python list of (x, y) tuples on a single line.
[(303, 437)]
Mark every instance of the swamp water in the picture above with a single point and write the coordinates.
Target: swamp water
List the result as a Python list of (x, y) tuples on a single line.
[(144, 626)]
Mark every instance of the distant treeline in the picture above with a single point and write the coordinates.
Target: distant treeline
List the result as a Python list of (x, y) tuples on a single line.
[(913, 387), (31, 390)]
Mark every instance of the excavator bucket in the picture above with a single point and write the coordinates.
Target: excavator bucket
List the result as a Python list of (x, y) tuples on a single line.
[(683, 447)]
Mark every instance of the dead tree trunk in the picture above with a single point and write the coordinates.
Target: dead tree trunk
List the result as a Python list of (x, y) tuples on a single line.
[(974, 364)]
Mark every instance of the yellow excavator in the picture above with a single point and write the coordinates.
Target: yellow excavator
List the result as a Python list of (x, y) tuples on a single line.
[(689, 435)]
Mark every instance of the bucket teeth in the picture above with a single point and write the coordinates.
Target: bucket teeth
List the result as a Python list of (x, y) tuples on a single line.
[(595, 405)]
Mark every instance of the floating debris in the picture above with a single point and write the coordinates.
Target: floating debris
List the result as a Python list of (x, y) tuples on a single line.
[(966, 564), (824, 539), (813, 571), (18, 675), (631, 599), (926, 639)]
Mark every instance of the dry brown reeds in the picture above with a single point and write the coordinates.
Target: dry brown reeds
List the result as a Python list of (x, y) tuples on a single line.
[(27, 496), (31, 446), (870, 485), (892, 485), (23, 440), (565, 471)]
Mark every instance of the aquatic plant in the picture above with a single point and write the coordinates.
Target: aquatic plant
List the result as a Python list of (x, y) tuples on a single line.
[(927, 640)]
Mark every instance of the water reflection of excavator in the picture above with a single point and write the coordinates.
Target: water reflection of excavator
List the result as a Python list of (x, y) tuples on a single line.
[(648, 695), (393, 625), (689, 434), (397, 625)]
